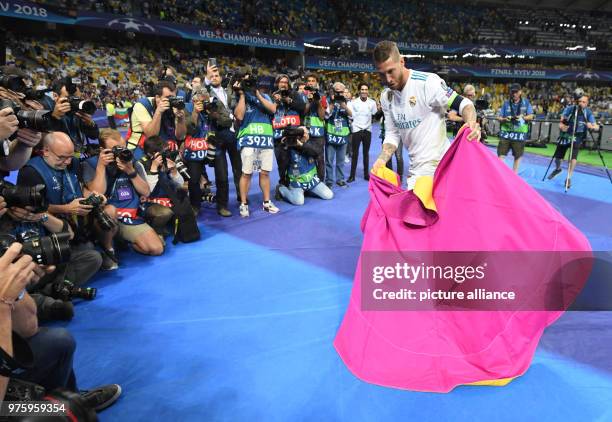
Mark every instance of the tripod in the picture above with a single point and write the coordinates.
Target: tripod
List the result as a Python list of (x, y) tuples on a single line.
[(572, 140), (597, 145)]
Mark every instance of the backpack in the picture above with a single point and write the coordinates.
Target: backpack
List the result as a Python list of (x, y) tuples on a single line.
[(185, 226)]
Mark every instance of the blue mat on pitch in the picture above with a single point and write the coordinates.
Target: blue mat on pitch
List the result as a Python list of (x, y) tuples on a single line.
[(239, 327)]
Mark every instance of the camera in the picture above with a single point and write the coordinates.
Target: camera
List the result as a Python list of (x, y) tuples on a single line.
[(18, 390), (79, 104), (24, 196), (12, 82), (44, 250), (123, 154), (339, 98), (177, 102), (481, 104), (38, 120), (180, 165), (316, 95), (66, 290), (103, 219), (291, 136)]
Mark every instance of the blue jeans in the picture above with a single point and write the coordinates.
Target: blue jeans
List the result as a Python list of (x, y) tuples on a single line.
[(336, 152), (53, 349), (296, 195)]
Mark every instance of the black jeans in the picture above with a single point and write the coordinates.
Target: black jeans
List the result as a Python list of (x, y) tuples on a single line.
[(319, 144), (282, 160), (226, 144), (196, 169), (365, 137)]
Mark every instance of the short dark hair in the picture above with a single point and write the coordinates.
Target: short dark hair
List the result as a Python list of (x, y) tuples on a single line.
[(153, 144), (313, 75), (363, 84), (159, 88), (385, 50)]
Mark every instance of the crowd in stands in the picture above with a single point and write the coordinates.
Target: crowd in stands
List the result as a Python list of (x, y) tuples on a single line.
[(414, 20)]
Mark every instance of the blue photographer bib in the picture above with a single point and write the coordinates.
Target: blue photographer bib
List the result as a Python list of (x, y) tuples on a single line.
[(337, 128), (256, 128), (302, 172), (62, 186), (518, 130), (284, 118)]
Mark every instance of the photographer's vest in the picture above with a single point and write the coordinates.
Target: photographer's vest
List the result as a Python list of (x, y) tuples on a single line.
[(565, 138), (518, 130), (283, 118), (158, 194), (256, 128), (315, 125), (196, 146), (62, 186), (302, 171), (166, 131), (120, 193), (337, 128)]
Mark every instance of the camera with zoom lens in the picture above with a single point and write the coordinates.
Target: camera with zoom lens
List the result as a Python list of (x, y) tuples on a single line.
[(339, 98), (291, 136), (38, 120), (44, 250), (171, 155), (316, 95), (177, 102), (24, 196), (66, 290), (123, 154), (104, 220), (79, 104), (12, 82)]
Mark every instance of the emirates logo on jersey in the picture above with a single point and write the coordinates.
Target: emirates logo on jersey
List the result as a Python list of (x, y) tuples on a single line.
[(412, 101)]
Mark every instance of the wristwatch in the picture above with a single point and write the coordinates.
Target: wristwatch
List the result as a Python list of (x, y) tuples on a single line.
[(44, 218)]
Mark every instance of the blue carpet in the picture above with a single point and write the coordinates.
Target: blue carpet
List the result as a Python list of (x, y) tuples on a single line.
[(239, 327)]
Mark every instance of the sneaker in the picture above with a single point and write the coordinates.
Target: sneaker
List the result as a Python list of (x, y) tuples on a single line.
[(268, 206), (329, 184), (244, 210), (109, 260), (342, 183), (224, 212), (102, 397), (554, 173)]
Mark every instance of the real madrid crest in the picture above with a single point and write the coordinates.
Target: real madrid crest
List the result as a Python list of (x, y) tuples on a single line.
[(412, 101)]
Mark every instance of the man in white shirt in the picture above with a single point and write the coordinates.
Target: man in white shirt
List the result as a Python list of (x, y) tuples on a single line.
[(414, 105), (364, 109)]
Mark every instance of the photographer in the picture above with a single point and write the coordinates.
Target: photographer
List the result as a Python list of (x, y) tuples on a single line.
[(59, 171), (255, 140), (469, 92), (364, 110), (337, 134), (221, 119), (289, 113), (161, 175), (197, 150), (114, 173), (71, 114), (315, 120), (514, 115), (14, 153), (302, 172), (586, 121), (161, 115)]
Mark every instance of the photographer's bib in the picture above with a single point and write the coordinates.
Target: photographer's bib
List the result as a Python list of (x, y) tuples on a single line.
[(315, 126), (281, 122), (518, 130), (337, 130), (125, 198), (256, 135), (195, 149)]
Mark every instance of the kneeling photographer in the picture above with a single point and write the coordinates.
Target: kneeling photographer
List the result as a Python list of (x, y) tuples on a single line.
[(115, 173), (290, 108), (59, 172), (161, 167), (302, 172)]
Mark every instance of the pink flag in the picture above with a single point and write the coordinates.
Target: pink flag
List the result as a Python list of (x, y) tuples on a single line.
[(477, 204)]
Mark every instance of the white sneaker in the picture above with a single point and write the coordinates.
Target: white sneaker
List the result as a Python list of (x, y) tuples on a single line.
[(347, 160), (244, 210), (270, 207)]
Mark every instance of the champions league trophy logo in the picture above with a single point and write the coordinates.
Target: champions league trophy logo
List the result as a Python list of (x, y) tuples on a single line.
[(587, 75), (482, 50), (128, 24)]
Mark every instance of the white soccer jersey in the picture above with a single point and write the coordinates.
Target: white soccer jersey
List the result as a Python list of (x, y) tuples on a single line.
[(416, 117)]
